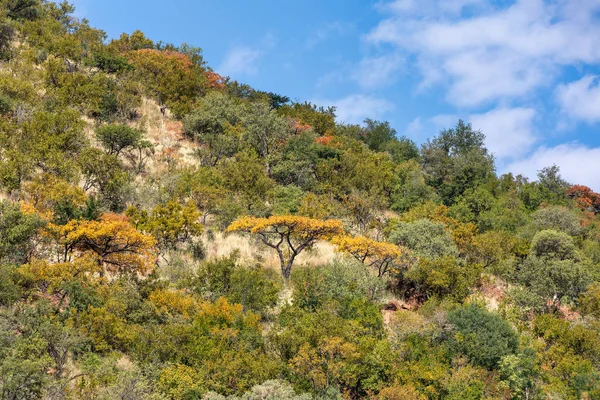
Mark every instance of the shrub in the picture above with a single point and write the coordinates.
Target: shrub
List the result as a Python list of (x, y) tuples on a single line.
[(482, 336)]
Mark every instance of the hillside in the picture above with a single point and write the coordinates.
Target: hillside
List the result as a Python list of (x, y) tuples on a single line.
[(170, 233)]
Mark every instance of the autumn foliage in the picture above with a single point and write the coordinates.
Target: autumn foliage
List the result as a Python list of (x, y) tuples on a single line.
[(116, 244), (288, 234), (172, 77), (385, 257), (585, 198)]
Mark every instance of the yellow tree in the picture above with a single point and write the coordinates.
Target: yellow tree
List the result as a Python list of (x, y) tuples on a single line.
[(288, 234), (385, 257), (113, 240)]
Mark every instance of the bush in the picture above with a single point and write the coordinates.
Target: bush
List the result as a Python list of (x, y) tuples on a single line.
[(556, 218), (255, 288), (481, 336), (554, 245), (424, 237), (445, 276), (342, 281)]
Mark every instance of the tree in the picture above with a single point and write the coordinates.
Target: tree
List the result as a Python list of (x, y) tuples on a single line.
[(554, 268), (288, 235), (116, 138), (17, 231), (425, 237), (104, 173), (482, 336), (320, 119), (217, 122), (585, 198), (170, 224), (556, 218), (264, 129), (444, 276), (552, 186), (113, 240), (329, 364), (384, 257), (457, 160), (170, 76), (246, 177), (377, 134)]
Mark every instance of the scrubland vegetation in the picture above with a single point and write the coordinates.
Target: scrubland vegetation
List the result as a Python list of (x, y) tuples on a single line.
[(169, 233)]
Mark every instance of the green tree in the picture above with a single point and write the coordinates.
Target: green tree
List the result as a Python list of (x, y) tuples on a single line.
[(116, 138), (482, 336), (425, 237), (17, 233), (457, 160)]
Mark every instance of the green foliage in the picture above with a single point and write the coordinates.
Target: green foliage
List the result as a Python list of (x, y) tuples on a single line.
[(286, 200), (485, 338), (116, 138), (554, 245), (320, 119), (340, 282), (270, 390), (445, 276), (425, 237), (457, 160), (99, 305), (255, 288), (17, 233)]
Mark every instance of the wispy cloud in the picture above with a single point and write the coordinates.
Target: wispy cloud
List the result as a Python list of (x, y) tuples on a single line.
[(578, 163), (335, 28), (241, 60), (491, 53), (374, 72), (353, 109), (580, 100), (509, 131)]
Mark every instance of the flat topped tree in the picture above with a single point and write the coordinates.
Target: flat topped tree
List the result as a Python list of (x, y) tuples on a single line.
[(288, 234), (381, 255)]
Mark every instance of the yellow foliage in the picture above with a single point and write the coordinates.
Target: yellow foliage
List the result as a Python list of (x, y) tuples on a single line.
[(174, 301), (294, 233), (47, 190), (50, 278), (178, 380), (115, 242), (302, 227), (382, 255)]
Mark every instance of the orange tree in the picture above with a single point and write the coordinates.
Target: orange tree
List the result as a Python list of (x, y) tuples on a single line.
[(288, 234), (385, 257)]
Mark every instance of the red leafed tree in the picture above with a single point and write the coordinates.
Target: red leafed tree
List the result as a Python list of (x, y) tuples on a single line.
[(215, 80), (585, 198)]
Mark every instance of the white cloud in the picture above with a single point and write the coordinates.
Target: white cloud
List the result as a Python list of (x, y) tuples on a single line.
[(373, 72), (414, 128), (425, 7), (353, 109), (420, 129), (241, 60), (581, 99), (578, 163), (508, 131), (491, 53)]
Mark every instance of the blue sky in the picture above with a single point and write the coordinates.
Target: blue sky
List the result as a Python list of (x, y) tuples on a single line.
[(525, 72)]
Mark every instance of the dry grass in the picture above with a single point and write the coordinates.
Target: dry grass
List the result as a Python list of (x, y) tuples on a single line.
[(166, 136), (252, 251)]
